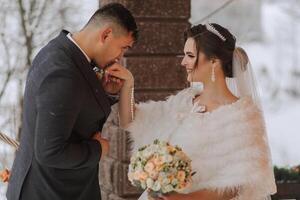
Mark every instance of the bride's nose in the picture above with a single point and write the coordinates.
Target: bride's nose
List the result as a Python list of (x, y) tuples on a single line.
[(183, 62)]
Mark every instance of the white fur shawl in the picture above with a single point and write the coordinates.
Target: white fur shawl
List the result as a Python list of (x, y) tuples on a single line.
[(228, 146)]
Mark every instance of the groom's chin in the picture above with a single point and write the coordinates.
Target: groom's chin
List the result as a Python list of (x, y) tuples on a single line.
[(98, 64)]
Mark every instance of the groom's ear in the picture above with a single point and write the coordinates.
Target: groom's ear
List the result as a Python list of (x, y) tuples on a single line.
[(105, 34)]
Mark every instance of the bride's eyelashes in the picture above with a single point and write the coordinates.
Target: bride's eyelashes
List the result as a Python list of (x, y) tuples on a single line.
[(190, 55)]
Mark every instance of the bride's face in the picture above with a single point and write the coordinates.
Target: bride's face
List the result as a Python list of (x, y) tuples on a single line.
[(197, 72)]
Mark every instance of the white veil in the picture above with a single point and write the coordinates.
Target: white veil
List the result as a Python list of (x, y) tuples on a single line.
[(243, 82)]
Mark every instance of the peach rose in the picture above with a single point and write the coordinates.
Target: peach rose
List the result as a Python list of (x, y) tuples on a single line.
[(181, 176), (182, 185), (149, 167), (140, 175), (158, 160)]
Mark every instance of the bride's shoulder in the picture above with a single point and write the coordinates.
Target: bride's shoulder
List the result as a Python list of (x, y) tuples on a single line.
[(247, 101), (247, 105), (239, 105)]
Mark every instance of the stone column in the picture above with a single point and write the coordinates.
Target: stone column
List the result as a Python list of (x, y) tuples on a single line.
[(157, 73)]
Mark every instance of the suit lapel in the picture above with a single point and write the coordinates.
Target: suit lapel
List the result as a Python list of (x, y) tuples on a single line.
[(86, 69)]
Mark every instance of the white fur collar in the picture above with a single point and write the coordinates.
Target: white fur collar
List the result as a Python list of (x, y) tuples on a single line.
[(228, 146)]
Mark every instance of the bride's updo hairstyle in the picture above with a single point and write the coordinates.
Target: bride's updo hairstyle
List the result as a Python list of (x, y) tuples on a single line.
[(214, 41)]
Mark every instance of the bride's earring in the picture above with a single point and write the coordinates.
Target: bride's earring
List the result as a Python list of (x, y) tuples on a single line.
[(213, 74)]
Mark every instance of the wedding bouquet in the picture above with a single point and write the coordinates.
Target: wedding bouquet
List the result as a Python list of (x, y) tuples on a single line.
[(160, 168)]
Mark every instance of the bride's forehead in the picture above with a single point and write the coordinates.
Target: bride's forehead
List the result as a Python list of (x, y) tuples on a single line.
[(190, 45)]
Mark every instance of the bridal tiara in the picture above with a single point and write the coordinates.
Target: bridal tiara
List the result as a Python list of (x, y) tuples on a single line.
[(213, 30)]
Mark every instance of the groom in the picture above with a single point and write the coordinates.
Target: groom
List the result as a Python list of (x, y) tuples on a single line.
[(65, 107)]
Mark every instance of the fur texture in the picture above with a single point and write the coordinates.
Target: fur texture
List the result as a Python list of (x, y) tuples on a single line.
[(228, 146)]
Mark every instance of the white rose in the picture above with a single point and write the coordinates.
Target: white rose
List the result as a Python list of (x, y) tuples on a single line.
[(149, 182), (143, 185), (130, 176), (139, 167), (174, 181), (147, 153), (167, 158), (156, 187), (168, 188), (166, 181), (138, 155), (163, 150)]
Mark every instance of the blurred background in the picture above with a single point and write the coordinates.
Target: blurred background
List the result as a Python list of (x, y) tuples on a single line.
[(25, 27), (267, 29)]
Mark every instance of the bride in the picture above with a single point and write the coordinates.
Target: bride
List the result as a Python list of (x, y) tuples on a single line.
[(221, 126)]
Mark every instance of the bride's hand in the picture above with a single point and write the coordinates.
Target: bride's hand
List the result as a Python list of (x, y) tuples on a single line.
[(120, 72), (118, 76)]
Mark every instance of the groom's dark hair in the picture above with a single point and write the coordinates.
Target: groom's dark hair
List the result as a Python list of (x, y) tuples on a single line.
[(117, 14)]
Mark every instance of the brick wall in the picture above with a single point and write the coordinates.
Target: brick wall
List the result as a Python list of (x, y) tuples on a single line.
[(157, 73)]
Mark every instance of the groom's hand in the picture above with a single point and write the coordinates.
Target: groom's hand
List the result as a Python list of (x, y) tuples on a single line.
[(116, 77), (103, 142)]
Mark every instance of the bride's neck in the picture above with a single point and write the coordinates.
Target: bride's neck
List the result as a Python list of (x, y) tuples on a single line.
[(217, 91)]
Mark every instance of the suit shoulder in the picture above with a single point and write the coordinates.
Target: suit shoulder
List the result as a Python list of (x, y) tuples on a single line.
[(52, 54), (52, 59)]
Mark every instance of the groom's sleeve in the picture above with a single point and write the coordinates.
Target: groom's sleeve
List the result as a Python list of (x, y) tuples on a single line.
[(58, 103)]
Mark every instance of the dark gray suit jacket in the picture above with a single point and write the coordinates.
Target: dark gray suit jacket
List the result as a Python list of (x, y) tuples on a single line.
[(64, 105)]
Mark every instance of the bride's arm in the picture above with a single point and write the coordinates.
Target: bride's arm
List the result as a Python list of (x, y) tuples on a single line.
[(125, 103), (120, 72)]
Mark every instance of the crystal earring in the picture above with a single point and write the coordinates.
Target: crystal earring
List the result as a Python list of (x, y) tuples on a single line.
[(213, 75)]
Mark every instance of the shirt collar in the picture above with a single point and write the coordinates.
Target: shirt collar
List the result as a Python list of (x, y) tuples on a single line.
[(70, 37)]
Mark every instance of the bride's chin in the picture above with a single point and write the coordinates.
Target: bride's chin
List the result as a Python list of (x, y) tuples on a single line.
[(189, 78)]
